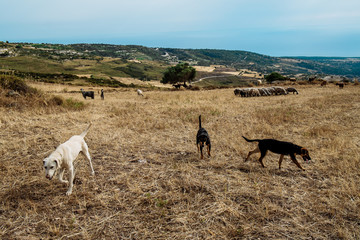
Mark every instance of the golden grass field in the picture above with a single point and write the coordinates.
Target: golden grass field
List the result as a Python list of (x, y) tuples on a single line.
[(150, 183)]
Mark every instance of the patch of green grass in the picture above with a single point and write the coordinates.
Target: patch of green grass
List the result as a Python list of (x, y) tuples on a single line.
[(72, 104)]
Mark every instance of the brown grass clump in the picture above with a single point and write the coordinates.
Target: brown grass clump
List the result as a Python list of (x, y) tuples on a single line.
[(16, 94), (150, 183)]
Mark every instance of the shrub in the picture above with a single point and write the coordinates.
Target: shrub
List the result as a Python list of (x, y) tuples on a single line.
[(16, 84), (274, 76)]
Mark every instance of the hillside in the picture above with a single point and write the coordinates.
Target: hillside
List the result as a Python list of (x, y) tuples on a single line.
[(101, 62)]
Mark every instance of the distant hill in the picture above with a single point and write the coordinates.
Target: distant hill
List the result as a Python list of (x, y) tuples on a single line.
[(144, 63)]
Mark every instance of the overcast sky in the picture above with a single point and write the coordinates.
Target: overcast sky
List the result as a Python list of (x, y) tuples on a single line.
[(271, 27)]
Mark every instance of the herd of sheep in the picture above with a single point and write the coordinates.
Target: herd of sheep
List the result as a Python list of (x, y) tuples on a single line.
[(266, 91)]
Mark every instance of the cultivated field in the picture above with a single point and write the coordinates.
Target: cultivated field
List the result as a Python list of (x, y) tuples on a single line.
[(151, 184)]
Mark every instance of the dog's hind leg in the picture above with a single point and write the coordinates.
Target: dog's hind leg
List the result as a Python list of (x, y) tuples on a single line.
[(263, 154), (256, 150), (280, 160), (85, 151), (293, 158)]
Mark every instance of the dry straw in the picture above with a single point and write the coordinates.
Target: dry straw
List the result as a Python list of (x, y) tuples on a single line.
[(151, 184)]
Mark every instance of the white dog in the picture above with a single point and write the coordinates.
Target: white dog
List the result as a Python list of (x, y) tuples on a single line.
[(64, 156)]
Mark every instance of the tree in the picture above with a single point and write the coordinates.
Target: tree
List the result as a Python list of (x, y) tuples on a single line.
[(274, 76), (182, 72)]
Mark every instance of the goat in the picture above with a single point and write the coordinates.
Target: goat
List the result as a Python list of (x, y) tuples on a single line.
[(87, 93)]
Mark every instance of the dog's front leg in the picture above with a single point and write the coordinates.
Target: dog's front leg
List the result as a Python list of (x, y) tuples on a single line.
[(71, 180), (293, 158), (61, 174)]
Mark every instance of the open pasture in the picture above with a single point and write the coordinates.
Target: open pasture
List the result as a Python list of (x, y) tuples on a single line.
[(150, 183)]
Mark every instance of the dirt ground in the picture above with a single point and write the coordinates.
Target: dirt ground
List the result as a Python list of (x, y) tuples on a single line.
[(150, 183)]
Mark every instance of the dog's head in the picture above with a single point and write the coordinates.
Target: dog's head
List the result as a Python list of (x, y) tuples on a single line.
[(50, 166), (305, 154)]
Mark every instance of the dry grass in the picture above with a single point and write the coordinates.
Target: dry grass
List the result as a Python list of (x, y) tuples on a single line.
[(151, 184)]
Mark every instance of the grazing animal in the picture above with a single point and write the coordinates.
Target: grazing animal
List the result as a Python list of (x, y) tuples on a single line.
[(87, 93), (280, 147), (237, 92), (202, 137), (102, 94), (64, 156), (323, 83), (291, 89), (280, 91), (139, 92), (340, 84)]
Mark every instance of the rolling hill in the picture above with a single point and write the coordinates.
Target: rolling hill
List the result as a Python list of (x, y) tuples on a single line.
[(105, 62)]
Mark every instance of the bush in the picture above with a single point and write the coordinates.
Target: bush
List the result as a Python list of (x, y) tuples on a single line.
[(16, 84), (274, 76)]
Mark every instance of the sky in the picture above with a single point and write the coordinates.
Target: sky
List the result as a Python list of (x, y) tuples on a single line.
[(271, 27)]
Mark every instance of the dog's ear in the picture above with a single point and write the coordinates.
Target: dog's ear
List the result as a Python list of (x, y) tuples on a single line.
[(57, 163), (304, 151)]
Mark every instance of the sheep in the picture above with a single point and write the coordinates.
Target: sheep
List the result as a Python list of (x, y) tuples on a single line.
[(87, 93), (291, 89), (139, 92), (254, 92), (271, 90), (264, 92), (280, 91)]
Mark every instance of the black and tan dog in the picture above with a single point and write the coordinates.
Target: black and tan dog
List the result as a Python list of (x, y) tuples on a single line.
[(280, 147), (202, 137)]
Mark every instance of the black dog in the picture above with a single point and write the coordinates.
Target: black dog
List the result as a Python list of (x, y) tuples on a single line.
[(202, 137), (282, 148)]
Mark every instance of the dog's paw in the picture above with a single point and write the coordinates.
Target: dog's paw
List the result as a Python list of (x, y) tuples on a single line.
[(64, 181), (93, 173), (68, 193)]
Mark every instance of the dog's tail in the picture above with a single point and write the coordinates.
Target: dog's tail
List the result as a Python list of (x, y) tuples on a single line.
[(83, 134), (250, 140), (199, 121)]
